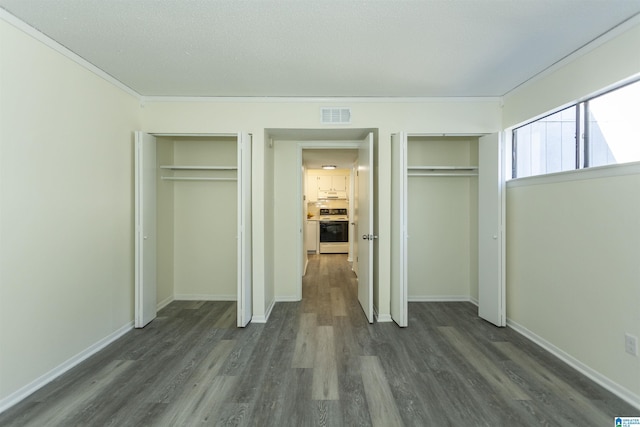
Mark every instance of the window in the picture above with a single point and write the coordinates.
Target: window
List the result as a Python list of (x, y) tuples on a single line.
[(607, 127)]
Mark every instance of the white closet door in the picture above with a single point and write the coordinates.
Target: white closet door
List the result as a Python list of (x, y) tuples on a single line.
[(364, 224), (244, 230), (399, 281), (491, 286), (145, 229)]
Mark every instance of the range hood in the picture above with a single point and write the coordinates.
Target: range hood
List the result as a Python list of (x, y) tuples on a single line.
[(332, 195)]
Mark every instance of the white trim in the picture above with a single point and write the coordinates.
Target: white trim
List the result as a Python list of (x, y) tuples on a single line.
[(438, 298), (49, 42), (620, 391), (263, 318), (321, 100), (383, 318), (445, 134), (165, 302), (288, 298), (596, 172), (173, 134), (74, 361), (205, 297)]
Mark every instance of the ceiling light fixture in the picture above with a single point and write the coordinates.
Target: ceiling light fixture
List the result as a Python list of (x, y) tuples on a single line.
[(328, 166)]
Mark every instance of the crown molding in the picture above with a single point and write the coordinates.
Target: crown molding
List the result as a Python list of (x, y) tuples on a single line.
[(607, 36), (322, 100), (49, 42)]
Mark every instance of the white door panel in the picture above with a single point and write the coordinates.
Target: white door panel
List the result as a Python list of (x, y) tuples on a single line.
[(145, 229), (245, 308), (399, 281), (491, 292), (364, 226)]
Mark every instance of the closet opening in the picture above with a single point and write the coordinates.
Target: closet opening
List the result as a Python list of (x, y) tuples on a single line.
[(447, 222), (193, 228)]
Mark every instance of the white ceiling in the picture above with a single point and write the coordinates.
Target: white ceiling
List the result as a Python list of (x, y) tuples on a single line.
[(323, 48)]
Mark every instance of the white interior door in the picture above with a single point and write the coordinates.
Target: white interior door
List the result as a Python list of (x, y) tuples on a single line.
[(364, 226), (491, 286), (399, 280), (145, 229), (244, 230)]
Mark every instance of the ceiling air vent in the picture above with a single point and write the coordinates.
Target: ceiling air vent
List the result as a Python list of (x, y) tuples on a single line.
[(335, 116)]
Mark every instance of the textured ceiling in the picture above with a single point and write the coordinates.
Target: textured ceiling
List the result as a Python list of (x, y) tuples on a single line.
[(323, 48)]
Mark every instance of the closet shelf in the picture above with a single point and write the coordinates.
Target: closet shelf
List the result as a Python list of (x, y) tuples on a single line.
[(202, 168), (442, 171), (443, 168), (195, 178)]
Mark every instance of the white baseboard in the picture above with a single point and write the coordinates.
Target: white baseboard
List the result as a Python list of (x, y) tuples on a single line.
[(288, 298), (205, 297), (615, 388), (439, 298), (165, 302), (43, 380), (263, 318), (381, 318)]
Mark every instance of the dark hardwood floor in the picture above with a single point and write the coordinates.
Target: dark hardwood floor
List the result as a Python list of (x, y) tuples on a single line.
[(316, 363)]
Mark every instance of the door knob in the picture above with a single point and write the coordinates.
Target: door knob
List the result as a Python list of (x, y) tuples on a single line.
[(365, 236), (145, 237)]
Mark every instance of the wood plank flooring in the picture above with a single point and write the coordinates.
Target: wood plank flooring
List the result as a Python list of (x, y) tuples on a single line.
[(319, 363)]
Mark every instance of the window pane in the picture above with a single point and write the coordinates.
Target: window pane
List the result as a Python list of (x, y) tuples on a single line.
[(613, 127), (547, 145)]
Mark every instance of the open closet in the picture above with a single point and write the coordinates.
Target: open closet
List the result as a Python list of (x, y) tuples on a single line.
[(193, 221), (442, 218), (448, 239)]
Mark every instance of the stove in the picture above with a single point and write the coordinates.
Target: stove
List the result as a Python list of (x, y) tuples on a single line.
[(334, 214), (334, 230)]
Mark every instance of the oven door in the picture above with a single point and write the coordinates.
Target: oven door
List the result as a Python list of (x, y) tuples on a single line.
[(334, 231)]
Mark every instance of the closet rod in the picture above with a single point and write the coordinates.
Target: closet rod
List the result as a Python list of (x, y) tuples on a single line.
[(178, 167), (441, 174), (195, 178)]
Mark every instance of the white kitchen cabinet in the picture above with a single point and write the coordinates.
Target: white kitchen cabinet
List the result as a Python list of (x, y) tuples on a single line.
[(332, 183), (311, 236), (311, 188)]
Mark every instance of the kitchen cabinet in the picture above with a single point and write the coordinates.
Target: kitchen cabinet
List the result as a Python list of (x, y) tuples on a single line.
[(332, 183), (311, 236), (311, 189)]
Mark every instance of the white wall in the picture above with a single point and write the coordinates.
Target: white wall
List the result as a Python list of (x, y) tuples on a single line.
[(164, 225), (273, 255), (572, 247), (442, 222), (287, 206), (66, 209), (591, 71), (205, 221), (573, 272)]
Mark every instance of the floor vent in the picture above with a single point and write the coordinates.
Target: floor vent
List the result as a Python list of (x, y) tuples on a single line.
[(335, 116)]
